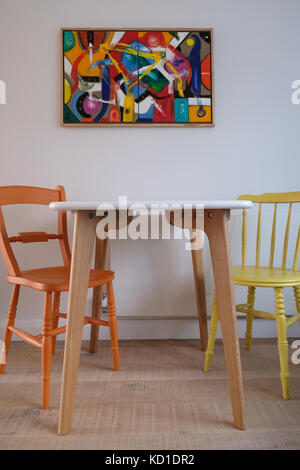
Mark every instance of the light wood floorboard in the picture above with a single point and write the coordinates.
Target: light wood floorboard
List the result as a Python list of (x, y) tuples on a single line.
[(160, 399)]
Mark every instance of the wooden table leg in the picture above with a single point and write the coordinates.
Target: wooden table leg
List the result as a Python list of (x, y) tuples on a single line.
[(84, 233), (216, 227), (198, 268), (100, 257)]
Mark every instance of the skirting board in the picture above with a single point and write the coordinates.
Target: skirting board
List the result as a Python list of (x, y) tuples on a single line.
[(163, 328)]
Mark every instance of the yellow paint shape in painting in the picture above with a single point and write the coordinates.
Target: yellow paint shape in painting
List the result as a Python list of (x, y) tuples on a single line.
[(128, 108), (109, 37), (67, 91), (193, 114), (190, 42), (179, 84), (118, 68)]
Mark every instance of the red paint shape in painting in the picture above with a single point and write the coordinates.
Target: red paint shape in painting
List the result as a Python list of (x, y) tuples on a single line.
[(114, 114), (205, 72), (152, 39), (164, 111), (98, 37), (127, 38), (74, 73)]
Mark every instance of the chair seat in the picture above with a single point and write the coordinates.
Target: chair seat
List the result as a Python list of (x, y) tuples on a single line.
[(264, 276), (56, 279)]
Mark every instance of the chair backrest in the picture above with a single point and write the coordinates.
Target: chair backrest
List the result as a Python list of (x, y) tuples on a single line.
[(275, 199), (10, 195)]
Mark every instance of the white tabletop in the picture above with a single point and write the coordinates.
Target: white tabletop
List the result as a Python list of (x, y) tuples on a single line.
[(94, 205)]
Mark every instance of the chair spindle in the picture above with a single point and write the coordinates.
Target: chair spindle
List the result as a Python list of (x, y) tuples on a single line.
[(297, 251), (273, 236), (258, 237), (286, 237)]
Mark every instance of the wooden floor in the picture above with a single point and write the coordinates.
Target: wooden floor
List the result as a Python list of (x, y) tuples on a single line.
[(160, 399)]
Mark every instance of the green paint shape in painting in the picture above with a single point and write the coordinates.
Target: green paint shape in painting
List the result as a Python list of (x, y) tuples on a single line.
[(174, 34), (181, 110), (84, 86), (142, 62), (69, 40), (155, 80), (69, 116)]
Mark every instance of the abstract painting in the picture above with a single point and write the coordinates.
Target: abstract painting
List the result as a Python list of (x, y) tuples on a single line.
[(137, 78)]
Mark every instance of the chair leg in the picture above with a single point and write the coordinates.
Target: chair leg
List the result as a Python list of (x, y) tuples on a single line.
[(282, 342), (46, 349), (56, 303), (10, 322), (297, 297), (100, 261), (250, 307), (113, 326), (213, 327)]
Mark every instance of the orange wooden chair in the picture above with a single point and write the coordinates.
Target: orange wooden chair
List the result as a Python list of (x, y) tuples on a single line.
[(52, 281)]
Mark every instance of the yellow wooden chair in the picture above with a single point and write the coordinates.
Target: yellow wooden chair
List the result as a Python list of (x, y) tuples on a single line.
[(265, 276)]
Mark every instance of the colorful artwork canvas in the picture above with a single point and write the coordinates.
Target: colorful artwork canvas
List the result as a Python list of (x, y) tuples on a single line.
[(137, 78)]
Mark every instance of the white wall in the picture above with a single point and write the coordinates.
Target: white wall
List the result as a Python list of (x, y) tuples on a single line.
[(253, 148)]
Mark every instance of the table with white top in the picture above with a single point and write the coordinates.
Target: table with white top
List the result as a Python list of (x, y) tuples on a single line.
[(215, 225)]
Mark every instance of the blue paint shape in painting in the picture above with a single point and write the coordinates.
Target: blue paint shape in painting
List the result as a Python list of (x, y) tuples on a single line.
[(105, 84), (195, 62), (74, 105), (148, 116), (132, 59), (181, 109)]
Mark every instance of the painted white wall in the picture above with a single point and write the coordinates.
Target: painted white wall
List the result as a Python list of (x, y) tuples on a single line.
[(253, 148)]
